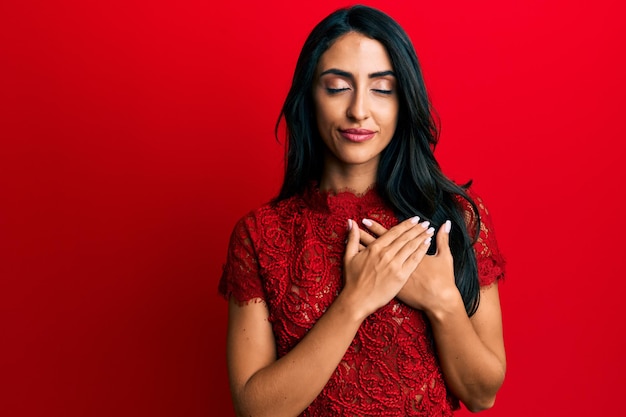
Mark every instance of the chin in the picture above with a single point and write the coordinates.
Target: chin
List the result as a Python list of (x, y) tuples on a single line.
[(359, 160)]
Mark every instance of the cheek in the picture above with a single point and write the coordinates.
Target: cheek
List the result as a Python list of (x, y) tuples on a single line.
[(324, 116), (321, 124), (392, 119), (319, 119), (395, 121)]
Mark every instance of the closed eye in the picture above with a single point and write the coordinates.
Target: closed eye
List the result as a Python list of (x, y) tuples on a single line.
[(387, 92), (336, 90)]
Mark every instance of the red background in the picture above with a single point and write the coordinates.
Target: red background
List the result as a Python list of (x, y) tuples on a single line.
[(134, 134)]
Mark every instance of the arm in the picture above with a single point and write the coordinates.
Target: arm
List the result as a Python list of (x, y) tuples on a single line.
[(260, 384), (471, 350), (263, 385)]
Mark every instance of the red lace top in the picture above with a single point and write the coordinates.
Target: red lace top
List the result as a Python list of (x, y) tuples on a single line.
[(291, 256)]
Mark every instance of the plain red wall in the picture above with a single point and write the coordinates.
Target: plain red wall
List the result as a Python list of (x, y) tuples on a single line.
[(135, 133)]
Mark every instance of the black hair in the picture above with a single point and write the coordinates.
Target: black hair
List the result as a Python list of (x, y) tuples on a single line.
[(409, 178)]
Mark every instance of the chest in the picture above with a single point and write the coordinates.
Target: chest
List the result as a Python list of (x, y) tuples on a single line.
[(301, 266)]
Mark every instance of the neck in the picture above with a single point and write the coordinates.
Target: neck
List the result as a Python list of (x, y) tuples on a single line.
[(354, 178)]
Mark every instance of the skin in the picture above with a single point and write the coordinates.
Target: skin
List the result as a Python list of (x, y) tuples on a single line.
[(376, 269), (360, 98), (471, 350)]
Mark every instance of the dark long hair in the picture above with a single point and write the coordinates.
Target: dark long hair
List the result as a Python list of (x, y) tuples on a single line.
[(409, 178)]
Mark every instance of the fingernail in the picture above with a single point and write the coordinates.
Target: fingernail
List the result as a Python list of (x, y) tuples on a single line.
[(427, 241), (349, 224), (367, 222), (415, 220), (425, 225), (447, 226), (430, 230)]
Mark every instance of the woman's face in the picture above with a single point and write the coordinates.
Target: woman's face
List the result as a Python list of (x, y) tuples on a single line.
[(356, 102)]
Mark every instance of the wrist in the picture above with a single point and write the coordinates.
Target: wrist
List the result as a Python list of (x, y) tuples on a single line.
[(449, 303), (351, 308)]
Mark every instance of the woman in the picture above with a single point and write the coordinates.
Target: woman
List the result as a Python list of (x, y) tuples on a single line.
[(369, 285)]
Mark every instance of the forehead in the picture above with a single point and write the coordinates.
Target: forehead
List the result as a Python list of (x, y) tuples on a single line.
[(355, 53)]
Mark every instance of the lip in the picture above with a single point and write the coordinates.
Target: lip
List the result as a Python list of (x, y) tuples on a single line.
[(357, 135)]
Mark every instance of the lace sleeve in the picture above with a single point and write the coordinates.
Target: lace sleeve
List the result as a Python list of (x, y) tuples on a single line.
[(491, 263), (240, 278)]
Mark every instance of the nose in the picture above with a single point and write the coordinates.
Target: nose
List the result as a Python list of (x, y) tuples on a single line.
[(358, 108)]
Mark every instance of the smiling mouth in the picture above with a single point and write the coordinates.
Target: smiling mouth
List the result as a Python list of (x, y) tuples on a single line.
[(357, 135)]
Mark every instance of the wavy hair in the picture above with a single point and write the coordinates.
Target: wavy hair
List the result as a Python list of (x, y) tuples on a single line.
[(409, 178)]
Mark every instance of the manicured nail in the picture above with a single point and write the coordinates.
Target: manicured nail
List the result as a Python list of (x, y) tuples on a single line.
[(447, 226), (367, 222), (349, 224), (427, 241), (430, 230), (425, 225), (415, 220)]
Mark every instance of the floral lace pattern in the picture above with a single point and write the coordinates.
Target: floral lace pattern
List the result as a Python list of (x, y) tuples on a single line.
[(291, 255)]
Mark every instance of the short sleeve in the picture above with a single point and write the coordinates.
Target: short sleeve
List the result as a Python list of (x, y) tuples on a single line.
[(491, 263), (240, 277)]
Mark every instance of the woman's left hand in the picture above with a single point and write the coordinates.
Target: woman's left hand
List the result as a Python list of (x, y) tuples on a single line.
[(470, 349), (432, 283)]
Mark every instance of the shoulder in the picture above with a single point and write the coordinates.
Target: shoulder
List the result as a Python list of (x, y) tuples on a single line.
[(268, 216), (491, 263), (475, 211)]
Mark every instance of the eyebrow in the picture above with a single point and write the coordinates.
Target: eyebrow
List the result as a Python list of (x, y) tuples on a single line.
[(346, 74)]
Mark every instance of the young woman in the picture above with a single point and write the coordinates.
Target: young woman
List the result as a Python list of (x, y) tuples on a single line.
[(368, 287)]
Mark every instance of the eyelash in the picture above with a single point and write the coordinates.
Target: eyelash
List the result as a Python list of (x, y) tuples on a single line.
[(336, 90), (339, 90)]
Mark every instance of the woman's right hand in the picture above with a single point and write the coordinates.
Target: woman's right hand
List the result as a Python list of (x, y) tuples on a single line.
[(375, 274)]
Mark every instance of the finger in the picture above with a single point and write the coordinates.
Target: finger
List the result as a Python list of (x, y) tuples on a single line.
[(410, 252), (443, 238), (366, 238), (395, 246), (375, 227), (395, 232), (352, 246), (412, 262)]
